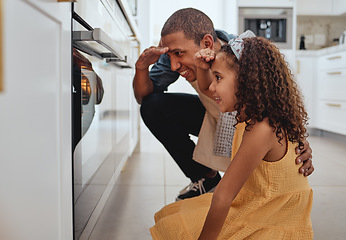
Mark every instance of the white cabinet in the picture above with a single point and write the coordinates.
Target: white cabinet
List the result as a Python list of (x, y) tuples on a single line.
[(306, 80), (35, 141), (339, 7), (332, 115), (266, 3), (332, 92), (321, 7)]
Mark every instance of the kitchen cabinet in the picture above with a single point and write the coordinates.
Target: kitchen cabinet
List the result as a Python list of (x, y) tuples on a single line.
[(331, 92), (321, 76), (339, 7), (35, 141), (306, 80), (321, 7), (266, 3)]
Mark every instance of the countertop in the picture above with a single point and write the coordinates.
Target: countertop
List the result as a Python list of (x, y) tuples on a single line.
[(321, 52)]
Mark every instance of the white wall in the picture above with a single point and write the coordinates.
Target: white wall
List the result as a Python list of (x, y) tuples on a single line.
[(161, 10)]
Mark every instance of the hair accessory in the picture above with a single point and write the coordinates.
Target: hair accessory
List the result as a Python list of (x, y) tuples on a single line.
[(237, 44)]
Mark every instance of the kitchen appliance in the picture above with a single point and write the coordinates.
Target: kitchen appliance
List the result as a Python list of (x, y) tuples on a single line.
[(342, 38), (274, 24), (104, 50)]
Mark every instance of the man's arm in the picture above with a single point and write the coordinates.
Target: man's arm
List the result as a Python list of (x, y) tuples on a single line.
[(142, 84)]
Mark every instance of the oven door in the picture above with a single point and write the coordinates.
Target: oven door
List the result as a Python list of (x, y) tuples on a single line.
[(91, 136), (98, 61)]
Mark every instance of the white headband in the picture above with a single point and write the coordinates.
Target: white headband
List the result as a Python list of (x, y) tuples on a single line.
[(237, 44)]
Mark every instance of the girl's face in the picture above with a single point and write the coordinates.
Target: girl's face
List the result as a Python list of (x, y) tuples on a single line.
[(224, 84)]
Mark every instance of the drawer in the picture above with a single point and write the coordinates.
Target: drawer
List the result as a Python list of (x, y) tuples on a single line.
[(332, 85), (332, 61), (332, 115)]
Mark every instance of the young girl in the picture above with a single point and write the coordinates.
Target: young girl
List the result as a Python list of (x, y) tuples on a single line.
[(261, 195)]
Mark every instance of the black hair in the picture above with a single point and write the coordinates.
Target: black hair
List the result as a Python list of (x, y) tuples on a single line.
[(192, 22)]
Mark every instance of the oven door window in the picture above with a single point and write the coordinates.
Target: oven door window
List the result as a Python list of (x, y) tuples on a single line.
[(92, 126)]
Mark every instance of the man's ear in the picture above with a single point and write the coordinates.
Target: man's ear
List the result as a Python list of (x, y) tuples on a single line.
[(207, 41)]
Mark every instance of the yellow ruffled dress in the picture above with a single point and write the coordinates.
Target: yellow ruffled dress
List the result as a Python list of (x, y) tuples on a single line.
[(275, 203)]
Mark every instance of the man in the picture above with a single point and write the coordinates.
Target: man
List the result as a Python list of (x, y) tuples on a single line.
[(171, 117)]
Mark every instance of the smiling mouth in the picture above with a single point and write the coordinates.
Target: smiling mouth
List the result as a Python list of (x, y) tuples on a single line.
[(184, 73), (217, 99)]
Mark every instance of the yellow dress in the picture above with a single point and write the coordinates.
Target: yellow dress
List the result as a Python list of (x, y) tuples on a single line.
[(275, 203)]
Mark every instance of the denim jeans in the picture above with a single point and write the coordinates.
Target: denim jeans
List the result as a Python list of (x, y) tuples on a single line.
[(171, 117)]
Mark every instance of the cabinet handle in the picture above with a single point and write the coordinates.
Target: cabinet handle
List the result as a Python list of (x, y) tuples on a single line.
[(334, 73), (80, 39), (333, 105), (333, 58), (67, 0)]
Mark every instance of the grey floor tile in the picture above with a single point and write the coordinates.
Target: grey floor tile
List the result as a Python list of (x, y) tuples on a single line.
[(329, 159), (171, 192), (173, 175), (143, 169), (328, 213), (129, 213)]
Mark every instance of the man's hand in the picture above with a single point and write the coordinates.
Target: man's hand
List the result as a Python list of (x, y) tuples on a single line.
[(204, 57), (149, 56), (305, 156)]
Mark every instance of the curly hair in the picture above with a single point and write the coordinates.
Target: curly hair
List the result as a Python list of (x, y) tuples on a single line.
[(192, 22), (266, 89)]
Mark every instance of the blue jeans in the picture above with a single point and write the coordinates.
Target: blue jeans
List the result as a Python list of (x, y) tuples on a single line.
[(171, 117)]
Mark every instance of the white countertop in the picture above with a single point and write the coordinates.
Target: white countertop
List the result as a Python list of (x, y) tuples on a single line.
[(320, 52)]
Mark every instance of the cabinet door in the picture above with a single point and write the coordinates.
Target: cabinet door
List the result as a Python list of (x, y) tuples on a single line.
[(314, 7), (266, 3), (35, 142), (339, 6), (332, 116)]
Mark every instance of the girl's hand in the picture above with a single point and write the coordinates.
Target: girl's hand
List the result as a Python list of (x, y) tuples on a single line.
[(204, 57)]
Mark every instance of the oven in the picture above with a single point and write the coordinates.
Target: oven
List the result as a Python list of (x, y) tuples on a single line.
[(274, 24), (103, 53)]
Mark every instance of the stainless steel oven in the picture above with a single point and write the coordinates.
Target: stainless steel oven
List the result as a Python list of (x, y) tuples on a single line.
[(102, 69), (274, 24)]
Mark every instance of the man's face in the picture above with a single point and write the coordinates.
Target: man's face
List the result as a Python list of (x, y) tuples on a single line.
[(181, 53)]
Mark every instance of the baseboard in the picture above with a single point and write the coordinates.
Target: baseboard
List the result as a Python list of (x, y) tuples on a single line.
[(326, 134)]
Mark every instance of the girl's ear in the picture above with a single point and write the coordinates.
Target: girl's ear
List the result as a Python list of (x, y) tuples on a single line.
[(207, 41)]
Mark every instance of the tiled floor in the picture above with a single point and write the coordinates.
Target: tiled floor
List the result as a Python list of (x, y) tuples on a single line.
[(151, 179)]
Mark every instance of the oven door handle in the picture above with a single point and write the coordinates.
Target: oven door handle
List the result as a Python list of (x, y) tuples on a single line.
[(82, 40)]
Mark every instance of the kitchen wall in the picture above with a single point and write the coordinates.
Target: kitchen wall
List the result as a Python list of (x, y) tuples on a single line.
[(219, 11), (319, 31)]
